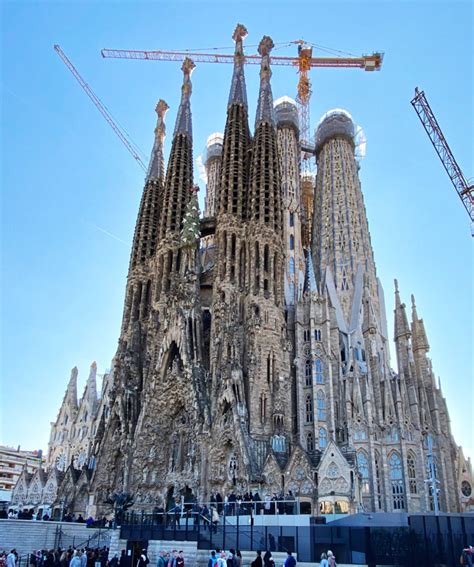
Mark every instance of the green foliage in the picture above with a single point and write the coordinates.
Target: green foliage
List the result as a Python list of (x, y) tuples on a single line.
[(190, 233)]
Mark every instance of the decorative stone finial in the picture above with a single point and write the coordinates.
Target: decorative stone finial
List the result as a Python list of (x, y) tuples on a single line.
[(413, 304), (94, 365), (238, 91), (265, 46), (161, 109), (188, 66), (240, 33), (156, 167), (395, 281)]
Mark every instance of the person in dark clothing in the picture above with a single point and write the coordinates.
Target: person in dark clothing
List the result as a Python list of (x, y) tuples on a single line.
[(259, 506), (271, 542), (257, 562), (143, 560), (219, 502), (290, 560), (268, 560), (123, 561)]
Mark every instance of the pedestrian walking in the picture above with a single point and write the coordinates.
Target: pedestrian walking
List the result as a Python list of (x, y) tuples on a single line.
[(331, 559), (323, 562)]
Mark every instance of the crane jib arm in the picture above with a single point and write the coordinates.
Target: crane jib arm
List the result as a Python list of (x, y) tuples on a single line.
[(432, 128), (367, 62)]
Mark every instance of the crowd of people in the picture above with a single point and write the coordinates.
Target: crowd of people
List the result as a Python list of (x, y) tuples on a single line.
[(248, 503), (30, 514), (85, 557)]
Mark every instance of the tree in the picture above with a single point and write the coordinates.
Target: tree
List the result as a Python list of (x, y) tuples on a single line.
[(190, 233)]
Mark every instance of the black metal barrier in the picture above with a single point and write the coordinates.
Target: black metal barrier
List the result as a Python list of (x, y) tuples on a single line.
[(427, 540)]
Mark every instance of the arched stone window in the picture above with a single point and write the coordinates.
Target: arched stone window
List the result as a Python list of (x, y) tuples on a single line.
[(309, 409), (396, 480), (411, 465), (307, 373), (257, 269), (323, 438), (263, 407), (292, 242), (321, 402), (318, 370), (309, 442), (363, 466)]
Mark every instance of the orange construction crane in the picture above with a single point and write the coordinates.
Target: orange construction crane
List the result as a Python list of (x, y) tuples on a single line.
[(131, 147), (433, 129), (304, 62)]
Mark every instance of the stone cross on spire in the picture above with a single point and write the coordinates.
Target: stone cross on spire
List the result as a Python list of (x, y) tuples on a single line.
[(156, 167), (183, 120), (238, 90), (265, 97)]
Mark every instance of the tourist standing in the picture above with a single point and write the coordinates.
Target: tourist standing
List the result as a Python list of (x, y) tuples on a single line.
[(212, 559), (76, 560), (11, 558), (268, 560), (331, 559), (323, 562), (162, 562), (290, 560), (143, 559), (257, 562)]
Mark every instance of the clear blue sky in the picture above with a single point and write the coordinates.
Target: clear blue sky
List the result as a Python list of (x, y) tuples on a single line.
[(70, 191)]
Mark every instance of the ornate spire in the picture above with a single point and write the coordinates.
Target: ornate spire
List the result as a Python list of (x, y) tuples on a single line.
[(157, 166), (238, 90), (91, 386), (402, 328), (179, 175), (183, 119), (420, 340), (265, 198), (231, 196), (146, 229), (71, 392), (265, 97)]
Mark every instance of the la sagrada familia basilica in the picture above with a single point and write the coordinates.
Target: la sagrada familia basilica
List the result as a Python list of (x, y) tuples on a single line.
[(254, 349)]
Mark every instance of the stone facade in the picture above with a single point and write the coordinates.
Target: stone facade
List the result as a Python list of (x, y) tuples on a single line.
[(258, 359), (71, 450)]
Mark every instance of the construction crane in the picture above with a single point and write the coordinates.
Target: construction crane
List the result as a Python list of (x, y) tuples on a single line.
[(304, 62), (427, 118), (102, 109)]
